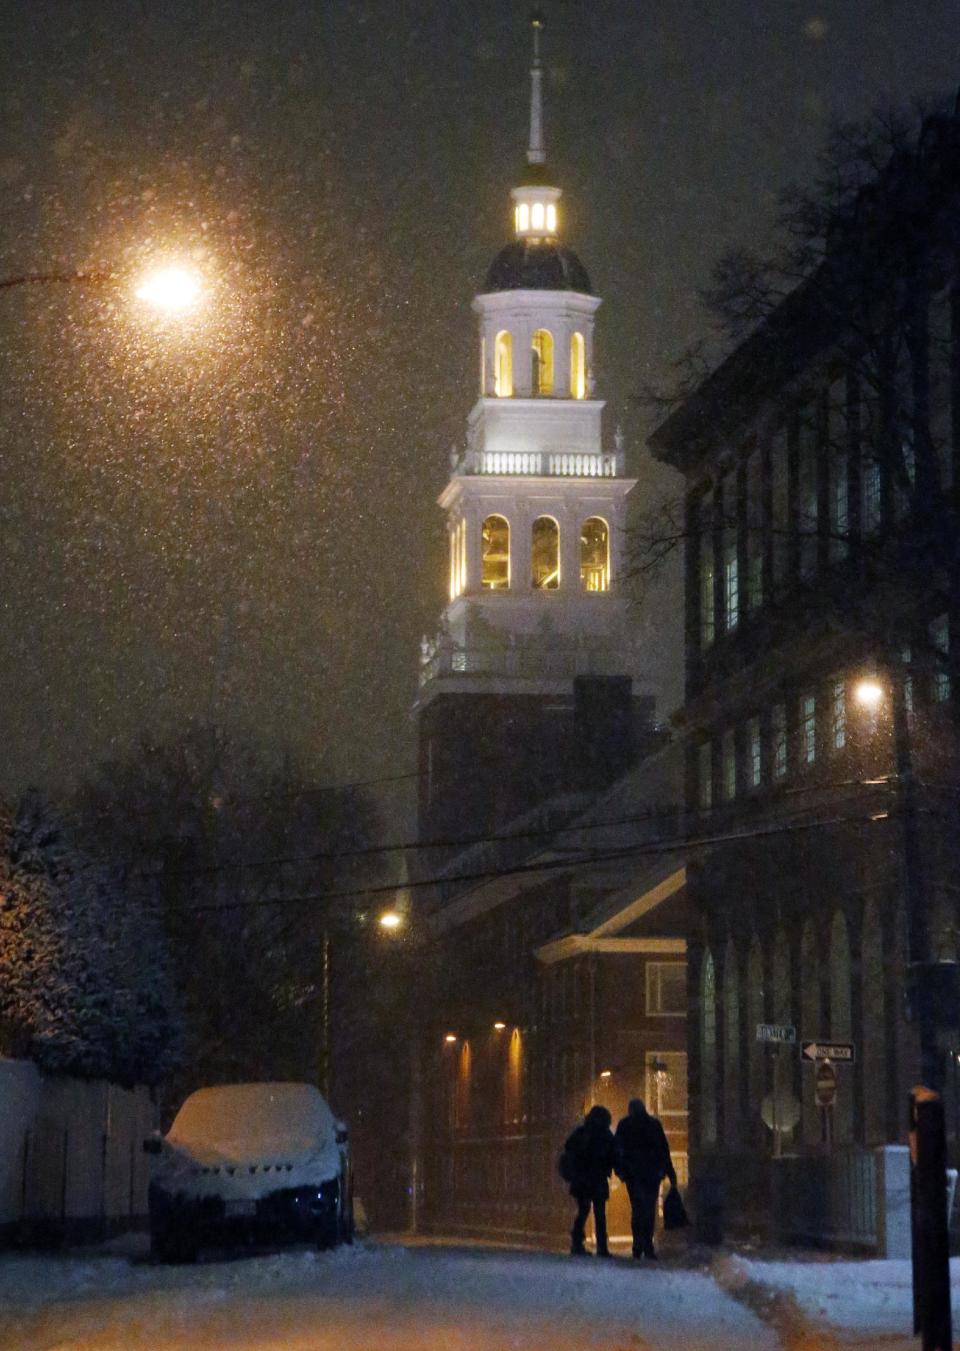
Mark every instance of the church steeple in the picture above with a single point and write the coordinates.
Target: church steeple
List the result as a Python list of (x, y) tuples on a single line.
[(535, 201), (535, 151)]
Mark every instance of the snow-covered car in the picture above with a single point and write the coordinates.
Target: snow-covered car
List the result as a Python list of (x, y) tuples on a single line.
[(250, 1163)]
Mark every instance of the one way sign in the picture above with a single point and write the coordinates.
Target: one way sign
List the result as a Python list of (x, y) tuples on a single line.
[(827, 1050)]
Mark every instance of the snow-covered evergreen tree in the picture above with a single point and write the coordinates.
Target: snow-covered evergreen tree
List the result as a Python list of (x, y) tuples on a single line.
[(84, 978)]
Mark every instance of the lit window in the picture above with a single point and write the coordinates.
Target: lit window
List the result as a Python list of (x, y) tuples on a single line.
[(523, 216), (705, 776), (542, 362), (495, 553), (778, 737), (595, 555), (728, 755), (503, 365), (731, 567), (545, 554), (578, 367), (808, 728), (707, 622), (838, 714), (551, 218), (755, 744), (536, 216), (940, 639)]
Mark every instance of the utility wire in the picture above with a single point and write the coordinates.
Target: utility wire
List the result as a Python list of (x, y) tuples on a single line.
[(652, 849)]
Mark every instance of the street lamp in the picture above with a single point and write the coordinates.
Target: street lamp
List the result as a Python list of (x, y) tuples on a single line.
[(869, 695), (390, 920), (171, 289)]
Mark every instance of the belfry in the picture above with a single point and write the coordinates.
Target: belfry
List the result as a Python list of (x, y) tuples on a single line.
[(527, 688)]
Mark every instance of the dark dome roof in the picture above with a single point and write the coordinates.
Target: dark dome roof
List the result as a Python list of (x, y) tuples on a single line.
[(537, 265)]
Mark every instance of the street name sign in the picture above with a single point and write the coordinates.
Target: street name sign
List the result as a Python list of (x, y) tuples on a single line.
[(837, 1051), (777, 1032)]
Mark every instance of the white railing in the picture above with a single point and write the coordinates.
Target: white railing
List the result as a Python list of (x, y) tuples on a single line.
[(523, 662), (556, 464)]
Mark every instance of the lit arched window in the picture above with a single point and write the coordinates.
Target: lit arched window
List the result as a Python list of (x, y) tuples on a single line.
[(545, 554), (503, 365), (551, 218), (523, 216), (578, 367), (542, 362), (595, 555), (536, 216), (495, 553), (708, 1051)]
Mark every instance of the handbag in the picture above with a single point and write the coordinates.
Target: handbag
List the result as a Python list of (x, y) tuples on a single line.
[(674, 1211)]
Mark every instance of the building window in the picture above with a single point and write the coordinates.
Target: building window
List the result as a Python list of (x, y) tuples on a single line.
[(808, 729), (666, 1086), (728, 755), (808, 523), (578, 366), (755, 532), (595, 555), (537, 216), (495, 554), (503, 365), (778, 739), (731, 569), (838, 714), (666, 989), (707, 616), (940, 640), (543, 361), (705, 776), (708, 1052), (755, 744), (838, 456), (551, 218), (523, 216), (545, 554), (780, 494), (870, 512)]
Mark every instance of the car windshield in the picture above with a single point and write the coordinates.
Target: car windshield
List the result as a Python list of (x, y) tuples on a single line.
[(254, 1115)]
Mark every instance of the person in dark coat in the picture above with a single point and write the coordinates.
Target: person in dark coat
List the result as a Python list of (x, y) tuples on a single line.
[(642, 1161), (590, 1153)]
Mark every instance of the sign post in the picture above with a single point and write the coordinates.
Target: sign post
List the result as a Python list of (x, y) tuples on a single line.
[(826, 1094)]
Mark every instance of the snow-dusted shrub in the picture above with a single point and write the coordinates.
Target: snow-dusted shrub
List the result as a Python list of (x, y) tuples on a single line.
[(84, 983)]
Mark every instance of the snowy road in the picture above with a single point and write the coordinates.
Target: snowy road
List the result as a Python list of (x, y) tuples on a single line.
[(369, 1298)]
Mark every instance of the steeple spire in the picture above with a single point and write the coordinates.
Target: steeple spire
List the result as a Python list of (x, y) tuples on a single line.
[(535, 151)]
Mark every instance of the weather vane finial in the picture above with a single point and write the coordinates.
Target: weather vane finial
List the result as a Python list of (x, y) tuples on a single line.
[(535, 150)]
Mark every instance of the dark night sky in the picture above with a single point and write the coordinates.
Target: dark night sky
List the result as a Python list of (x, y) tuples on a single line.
[(235, 519)]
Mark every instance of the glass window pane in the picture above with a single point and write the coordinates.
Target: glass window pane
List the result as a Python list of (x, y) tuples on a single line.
[(495, 553), (545, 554), (595, 555)]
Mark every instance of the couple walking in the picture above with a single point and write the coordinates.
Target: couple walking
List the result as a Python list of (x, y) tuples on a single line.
[(639, 1155)]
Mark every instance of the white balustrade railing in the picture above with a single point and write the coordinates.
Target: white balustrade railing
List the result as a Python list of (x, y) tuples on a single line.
[(556, 464)]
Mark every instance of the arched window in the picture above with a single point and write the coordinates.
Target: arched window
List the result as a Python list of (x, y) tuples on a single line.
[(503, 365), (542, 382), (810, 1028), (551, 218), (495, 553), (731, 1045), (756, 1013), (536, 216), (841, 1023), (545, 554), (578, 367), (874, 1059), (708, 1051), (595, 555), (523, 216)]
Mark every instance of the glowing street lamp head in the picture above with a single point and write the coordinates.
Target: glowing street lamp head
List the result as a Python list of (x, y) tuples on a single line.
[(869, 695), (171, 289), (498, 1026), (450, 1038), (390, 920)]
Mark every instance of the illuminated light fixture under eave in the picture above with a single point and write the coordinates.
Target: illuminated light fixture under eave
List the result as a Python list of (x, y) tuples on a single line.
[(869, 695), (173, 289), (499, 1027), (450, 1038), (390, 920), (606, 1074)]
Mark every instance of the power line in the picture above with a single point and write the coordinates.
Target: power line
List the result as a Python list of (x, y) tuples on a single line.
[(652, 849)]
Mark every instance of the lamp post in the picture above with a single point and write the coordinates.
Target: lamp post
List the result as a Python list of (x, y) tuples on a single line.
[(928, 1148)]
